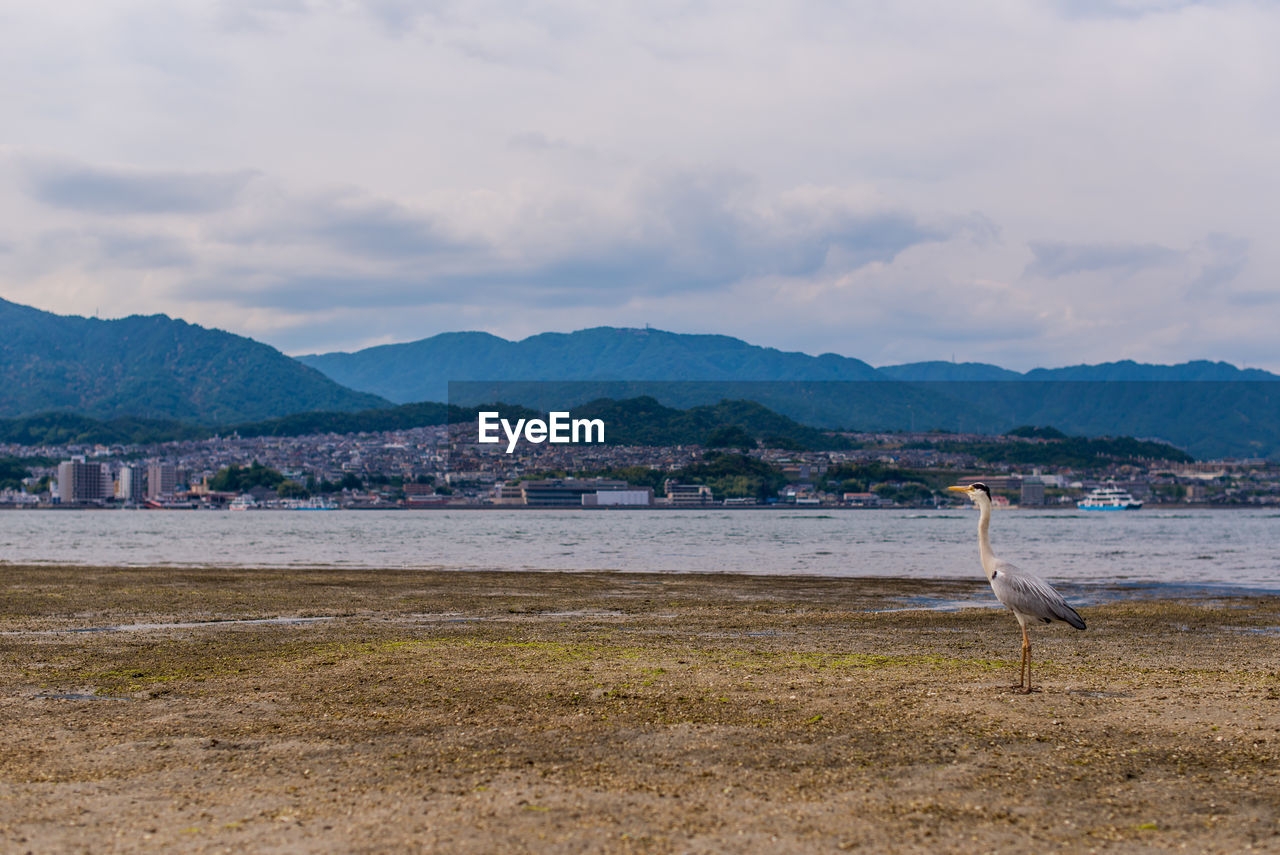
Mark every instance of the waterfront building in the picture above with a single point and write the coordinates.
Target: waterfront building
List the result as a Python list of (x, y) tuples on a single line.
[(162, 480), (566, 492), (129, 484), (422, 495), (1032, 492), (995, 482), (80, 482), (687, 495), (619, 498), (508, 494)]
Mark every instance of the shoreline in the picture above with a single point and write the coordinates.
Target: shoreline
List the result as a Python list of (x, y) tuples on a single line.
[(616, 712), (764, 506), (1091, 591)]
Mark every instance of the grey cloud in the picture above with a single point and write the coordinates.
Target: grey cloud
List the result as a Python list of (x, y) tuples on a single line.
[(1227, 258), (669, 233), (538, 143), (712, 227), (1253, 298), (704, 232), (116, 248), (144, 251), (1053, 260), (688, 233), (398, 17), (534, 141), (315, 292), (394, 18), (379, 230), (259, 16), (353, 223), (573, 283), (881, 237), (100, 190), (1122, 8)]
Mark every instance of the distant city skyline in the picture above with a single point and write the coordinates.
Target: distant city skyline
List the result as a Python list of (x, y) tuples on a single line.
[(1037, 185)]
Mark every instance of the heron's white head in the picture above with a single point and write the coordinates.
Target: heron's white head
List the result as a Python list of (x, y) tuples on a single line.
[(977, 492)]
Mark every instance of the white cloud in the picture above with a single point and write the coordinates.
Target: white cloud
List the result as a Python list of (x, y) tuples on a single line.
[(1034, 183)]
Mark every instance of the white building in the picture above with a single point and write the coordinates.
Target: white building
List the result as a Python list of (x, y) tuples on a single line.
[(129, 484), (618, 498)]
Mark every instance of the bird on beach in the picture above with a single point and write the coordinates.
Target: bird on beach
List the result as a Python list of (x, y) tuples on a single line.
[(1029, 597)]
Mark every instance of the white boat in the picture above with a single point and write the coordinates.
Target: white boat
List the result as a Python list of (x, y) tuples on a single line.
[(1109, 499)]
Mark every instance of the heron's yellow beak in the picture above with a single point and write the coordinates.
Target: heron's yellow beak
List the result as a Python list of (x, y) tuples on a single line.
[(959, 489)]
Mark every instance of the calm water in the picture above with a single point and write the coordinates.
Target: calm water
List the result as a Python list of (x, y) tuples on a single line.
[(1235, 548)]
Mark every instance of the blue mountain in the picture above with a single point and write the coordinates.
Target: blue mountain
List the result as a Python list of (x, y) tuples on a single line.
[(1211, 409), (1198, 371), (153, 367), (421, 370)]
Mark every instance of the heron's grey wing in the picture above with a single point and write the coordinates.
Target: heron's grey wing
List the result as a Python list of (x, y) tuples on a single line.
[(1031, 596)]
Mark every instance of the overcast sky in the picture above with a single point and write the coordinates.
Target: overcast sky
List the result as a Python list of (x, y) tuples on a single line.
[(1025, 183)]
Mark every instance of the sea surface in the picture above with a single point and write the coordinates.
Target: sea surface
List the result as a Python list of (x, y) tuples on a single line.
[(1176, 548)]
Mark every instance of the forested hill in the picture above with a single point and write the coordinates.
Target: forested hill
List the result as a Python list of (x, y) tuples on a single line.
[(153, 367), (421, 370)]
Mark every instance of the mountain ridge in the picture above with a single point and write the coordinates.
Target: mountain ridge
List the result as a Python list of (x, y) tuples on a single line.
[(421, 370), (396, 371), (156, 367), (152, 366), (1211, 409), (1124, 370)]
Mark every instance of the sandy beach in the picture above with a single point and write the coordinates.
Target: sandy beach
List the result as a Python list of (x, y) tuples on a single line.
[(169, 710)]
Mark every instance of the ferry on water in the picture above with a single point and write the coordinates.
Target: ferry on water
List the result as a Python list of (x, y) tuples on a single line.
[(1109, 499)]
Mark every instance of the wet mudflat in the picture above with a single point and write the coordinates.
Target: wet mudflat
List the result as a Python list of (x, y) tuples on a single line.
[(552, 712)]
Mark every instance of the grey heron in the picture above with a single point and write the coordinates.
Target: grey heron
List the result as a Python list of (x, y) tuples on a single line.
[(1029, 597)]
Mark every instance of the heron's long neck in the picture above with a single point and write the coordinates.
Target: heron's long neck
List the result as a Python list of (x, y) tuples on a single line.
[(984, 540)]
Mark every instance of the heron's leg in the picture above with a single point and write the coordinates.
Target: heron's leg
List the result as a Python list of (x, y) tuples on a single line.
[(1026, 662), (1023, 674), (1022, 667)]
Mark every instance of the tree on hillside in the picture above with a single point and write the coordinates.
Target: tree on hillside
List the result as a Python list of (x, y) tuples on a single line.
[(11, 473), (729, 436), (236, 479), (734, 476)]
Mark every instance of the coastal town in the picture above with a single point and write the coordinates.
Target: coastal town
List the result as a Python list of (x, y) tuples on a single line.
[(444, 467)]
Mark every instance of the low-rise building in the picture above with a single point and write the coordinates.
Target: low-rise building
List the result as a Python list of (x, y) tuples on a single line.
[(687, 495), (422, 495), (508, 494), (566, 492), (619, 498)]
